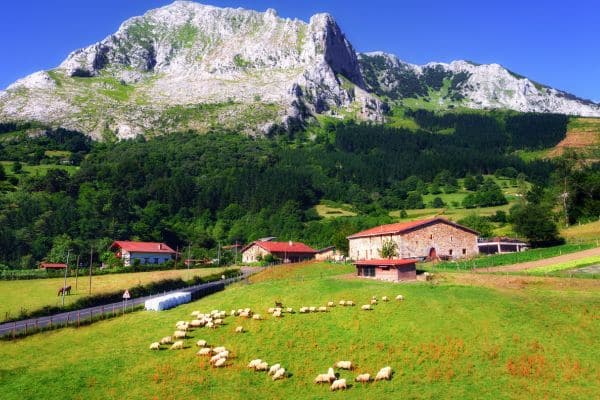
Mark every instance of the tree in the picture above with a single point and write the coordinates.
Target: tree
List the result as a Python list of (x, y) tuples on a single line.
[(389, 249), (414, 201), (478, 223), (535, 222), (438, 203), (17, 167), (470, 183), (2, 173)]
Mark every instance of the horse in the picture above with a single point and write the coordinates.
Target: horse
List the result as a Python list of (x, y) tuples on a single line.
[(66, 290)]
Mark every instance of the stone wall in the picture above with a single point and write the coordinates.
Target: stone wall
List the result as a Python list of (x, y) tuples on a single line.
[(446, 239), (251, 254)]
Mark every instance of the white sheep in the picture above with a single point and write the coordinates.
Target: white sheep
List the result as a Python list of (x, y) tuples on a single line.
[(224, 354), (344, 364), (270, 310), (201, 343), (205, 351), (339, 384), (342, 302), (373, 301), (218, 321), (322, 309), (385, 298), (257, 317), (179, 334), (279, 374), (363, 378), (220, 362), (289, 310), (252, 364), (166, 340), (239, 329), (399, 297), (211, 325), (330, 304), (233, 313), (262, 366), (366, 307), (325, 378), (303, 310), (196, 323), (155, 346), (244, 314), (312, 309), (178, 345), (219, 349), (195, 313), (274, 369), (216, 358), (349, 303), (384, 373), (277, 314)]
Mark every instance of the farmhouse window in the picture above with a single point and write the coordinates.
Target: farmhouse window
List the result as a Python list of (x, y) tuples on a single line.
[(431, 236), (369, 271), (450, 252), (464, 251), (156, 260), (146, 260)]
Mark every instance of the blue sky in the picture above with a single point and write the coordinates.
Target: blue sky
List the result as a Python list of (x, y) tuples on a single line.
[(553, 42)]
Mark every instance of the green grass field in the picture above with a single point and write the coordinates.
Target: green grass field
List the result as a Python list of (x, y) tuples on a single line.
[(36, 293), (443, 341), (41, 169), (589, 231)]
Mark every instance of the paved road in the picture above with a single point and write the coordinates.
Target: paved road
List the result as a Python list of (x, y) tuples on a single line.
[(86, 314), (543, 262)]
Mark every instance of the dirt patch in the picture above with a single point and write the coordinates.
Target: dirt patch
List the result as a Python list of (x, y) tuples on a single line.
[(584, 133), (544, 262), (511, 282)]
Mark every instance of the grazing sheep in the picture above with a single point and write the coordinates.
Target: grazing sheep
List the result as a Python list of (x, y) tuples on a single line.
[(217, 357), (384, 373), (277, 314), (322, 309), (219, 349), (312, 309), (224, 354), (289, 310), (179, 334), (239, 329), (270, 310), (373, 297), (178, 345), (366, 307), (373, 301), (343, 364), (303, 310), (220, 362), (218, 321), (201, 343), (179, 323), (339, 384), (342, 302), (399, 297), (233, 313), (211, 325), (196, 323), (263, 366), (257, 317), (330, 304), (279, 374), (350, 303), (363, 378), (155, 346), (195, 313), (385, 298), (244, 314), (166, 340), (205, 351), (252, 364), (248, 310), (274, 368), (326, 378)]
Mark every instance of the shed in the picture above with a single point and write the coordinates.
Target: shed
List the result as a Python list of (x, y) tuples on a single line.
[(387, 269)]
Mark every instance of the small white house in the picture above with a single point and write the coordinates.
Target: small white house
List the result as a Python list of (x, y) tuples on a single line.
[(146, 252)]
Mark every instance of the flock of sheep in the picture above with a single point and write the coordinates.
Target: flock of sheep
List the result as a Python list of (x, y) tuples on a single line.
[(219, 354)]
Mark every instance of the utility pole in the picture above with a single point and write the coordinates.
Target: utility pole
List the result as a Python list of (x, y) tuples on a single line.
[(91, 257), (65, 282), (236, 251), (77, 273), (219, 253), (564, 196), (189, 261)]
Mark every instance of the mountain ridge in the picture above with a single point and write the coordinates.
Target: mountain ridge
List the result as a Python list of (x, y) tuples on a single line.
[(189, 66)]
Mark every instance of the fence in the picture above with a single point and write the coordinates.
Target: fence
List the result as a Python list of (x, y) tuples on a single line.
[(87, 316)]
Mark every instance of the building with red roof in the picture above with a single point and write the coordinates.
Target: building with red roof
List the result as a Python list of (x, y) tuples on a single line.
[(146, 252), (285, 251), (432, 239), (52, 266)]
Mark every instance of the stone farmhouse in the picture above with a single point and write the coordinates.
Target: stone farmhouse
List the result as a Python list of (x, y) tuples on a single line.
[(285, 251), (146, 252), (415, 240)]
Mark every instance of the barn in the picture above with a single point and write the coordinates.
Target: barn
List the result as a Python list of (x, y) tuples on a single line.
[(146, 252), (284, 251), (387, 270), (432, 238)]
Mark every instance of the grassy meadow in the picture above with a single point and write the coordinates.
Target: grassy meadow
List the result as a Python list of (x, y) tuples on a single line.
[(444, 341), (36, 293)]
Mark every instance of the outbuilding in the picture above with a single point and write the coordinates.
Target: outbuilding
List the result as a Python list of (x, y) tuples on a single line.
[(52, 266), (387, 270), (287, 252)]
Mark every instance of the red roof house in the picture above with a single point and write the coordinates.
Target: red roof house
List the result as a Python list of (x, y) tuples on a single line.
[(146, 252), (285, 251), (52, 266)]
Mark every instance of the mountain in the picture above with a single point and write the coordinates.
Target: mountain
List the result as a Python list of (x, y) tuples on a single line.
[(188, 66)]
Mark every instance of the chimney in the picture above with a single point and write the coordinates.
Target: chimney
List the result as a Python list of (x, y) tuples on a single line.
[(160, 246), (290, 243)]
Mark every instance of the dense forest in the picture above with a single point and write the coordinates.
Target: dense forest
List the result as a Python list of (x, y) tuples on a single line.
[(223, 187)]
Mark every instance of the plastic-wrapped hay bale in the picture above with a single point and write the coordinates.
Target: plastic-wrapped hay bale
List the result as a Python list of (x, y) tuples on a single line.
[(167, 301)]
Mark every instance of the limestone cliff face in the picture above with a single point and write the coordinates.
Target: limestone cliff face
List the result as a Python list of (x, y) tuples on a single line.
[(193, 66)]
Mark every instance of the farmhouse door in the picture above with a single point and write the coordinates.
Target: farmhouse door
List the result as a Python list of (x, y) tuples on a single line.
[(432, 254)]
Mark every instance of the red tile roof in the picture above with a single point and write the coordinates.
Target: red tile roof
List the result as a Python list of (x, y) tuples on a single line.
[(285, 247), (53, 265), (142, 247), (400, 227), (387, 262)]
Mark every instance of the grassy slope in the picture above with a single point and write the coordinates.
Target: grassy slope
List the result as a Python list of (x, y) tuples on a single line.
[(36, 293), (38, 169), (590, 231), (443, 341)]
